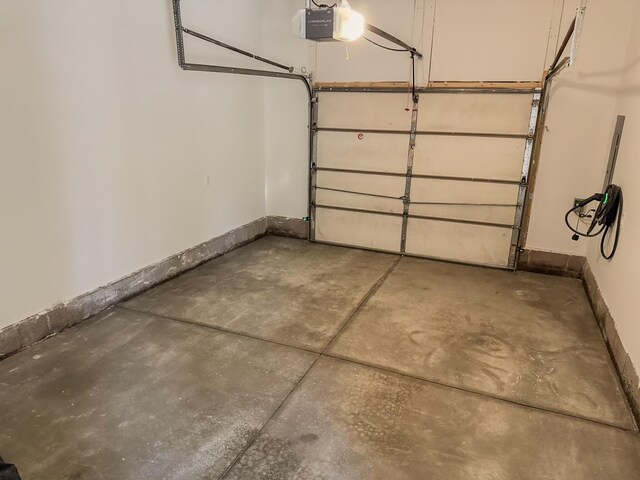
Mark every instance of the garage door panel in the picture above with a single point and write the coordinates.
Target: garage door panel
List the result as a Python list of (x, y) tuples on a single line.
[(475, 113), (380, 232), (458, 241), (374, 152), (346, 200), (433, 190), (475, 157), (352, 182), (466, 165), (499, 215), (364, 111)]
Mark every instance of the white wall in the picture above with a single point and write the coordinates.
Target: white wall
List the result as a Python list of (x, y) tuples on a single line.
[(285, 113), (493, 39), (619, 279), (106, 144), (580, 123), (489, 40)]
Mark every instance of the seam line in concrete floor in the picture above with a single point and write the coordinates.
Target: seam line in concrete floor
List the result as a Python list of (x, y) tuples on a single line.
[(253, 439), (383, 368), (352, 315), (219, 329), (374, 288), (372, 291), (481, 394)]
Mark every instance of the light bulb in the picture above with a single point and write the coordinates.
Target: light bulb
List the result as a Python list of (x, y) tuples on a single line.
[(348, 25)]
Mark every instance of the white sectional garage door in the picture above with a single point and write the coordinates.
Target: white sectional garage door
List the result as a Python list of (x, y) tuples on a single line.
[(443, 178)]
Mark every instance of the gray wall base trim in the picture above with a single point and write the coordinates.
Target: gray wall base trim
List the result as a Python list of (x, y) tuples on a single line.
[(551, 263), (52, 321), (622, 361), (288, 227)]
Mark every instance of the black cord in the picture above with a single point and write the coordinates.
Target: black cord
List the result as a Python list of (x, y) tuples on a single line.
[(386, 48), (413, 63), (609, 210), (576, 231), (617, 234)]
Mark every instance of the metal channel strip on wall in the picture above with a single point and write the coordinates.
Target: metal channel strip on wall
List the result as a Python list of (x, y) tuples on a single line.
[(530, 139)]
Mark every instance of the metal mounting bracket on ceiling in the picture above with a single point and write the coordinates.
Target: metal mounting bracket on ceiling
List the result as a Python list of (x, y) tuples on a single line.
[(235, 49), (181, 30)]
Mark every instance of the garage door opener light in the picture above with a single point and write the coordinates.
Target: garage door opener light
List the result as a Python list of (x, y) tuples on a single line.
[(338, 23)]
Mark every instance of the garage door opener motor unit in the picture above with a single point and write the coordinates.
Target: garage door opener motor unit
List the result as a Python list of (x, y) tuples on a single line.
[(337, 23)]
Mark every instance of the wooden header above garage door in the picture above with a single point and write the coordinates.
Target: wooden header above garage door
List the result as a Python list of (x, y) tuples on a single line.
[(492, 87)]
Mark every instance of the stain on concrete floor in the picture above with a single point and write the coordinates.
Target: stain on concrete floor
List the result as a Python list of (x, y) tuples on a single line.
[(127, 395), (277, 289), (525, 337), (370, 424), (131, 395)]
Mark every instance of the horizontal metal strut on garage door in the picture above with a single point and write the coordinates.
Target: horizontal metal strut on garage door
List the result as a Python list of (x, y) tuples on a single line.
[(443, 177)]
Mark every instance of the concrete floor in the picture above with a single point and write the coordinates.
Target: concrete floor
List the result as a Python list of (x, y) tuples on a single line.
[(288, 360)]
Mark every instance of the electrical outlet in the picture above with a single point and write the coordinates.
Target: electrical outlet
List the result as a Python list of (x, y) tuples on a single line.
[(576, 202)]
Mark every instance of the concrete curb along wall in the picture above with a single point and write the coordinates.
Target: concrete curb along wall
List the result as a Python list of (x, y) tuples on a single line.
[(551, 263), (287, 227), (577, 267), (626, 370), (44, 324)]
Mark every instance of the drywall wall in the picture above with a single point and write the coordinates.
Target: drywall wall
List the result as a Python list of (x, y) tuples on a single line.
[(619, 278), (493, 39), (112, 158), (285, 113), (461, 40), (580, 122)]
